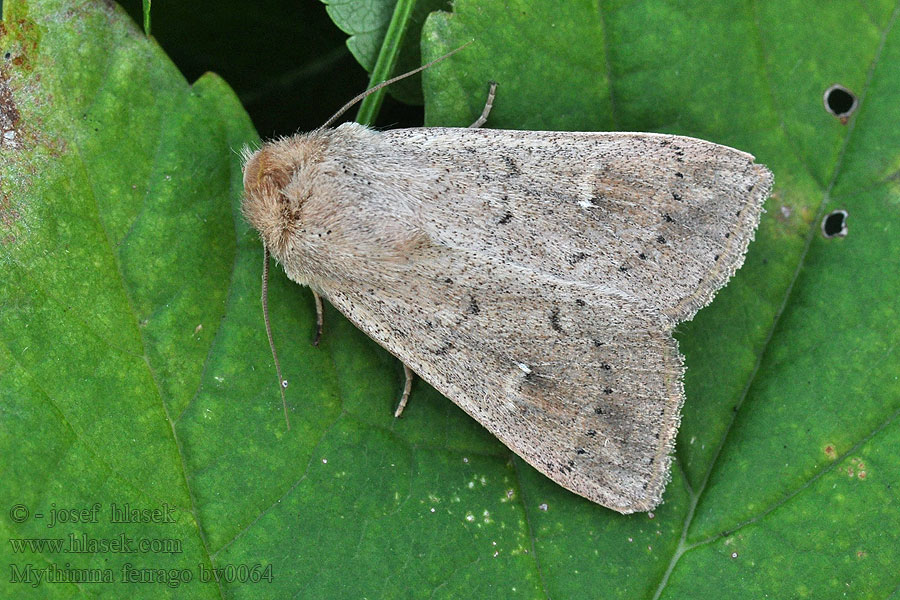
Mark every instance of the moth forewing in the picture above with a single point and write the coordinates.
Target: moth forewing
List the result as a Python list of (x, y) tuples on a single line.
[(533, 278)]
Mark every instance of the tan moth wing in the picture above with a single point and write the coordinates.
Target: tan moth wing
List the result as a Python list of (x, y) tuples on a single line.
[(532, 277), (584, 385), (664, 219)]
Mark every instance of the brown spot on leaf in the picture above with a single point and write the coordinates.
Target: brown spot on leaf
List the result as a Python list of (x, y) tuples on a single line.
[(8, 213), (9, 115)]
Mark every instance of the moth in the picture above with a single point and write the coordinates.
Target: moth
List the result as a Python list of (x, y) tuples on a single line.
[(532, 277)]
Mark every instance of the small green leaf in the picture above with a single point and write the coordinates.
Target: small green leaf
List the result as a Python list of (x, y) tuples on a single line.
[(368, 23)]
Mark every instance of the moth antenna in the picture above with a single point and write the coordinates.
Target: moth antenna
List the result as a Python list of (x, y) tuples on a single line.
[(375, 88), (265, 304)]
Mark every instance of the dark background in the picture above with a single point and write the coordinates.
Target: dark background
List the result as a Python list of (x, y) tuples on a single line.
[(285, 59)]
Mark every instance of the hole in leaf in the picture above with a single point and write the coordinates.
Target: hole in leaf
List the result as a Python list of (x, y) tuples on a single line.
[(840, 102), (835, 224)]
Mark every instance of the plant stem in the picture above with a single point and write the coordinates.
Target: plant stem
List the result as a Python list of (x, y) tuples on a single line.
[(387, 60)]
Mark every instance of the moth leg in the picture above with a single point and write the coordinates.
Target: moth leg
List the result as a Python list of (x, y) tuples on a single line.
[(488, 105), (320, 318), (407, 386)]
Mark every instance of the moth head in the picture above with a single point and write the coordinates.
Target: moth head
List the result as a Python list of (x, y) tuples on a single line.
[(274, 190), (274, 211)]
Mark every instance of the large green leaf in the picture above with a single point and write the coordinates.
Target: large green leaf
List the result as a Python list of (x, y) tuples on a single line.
[(134, 367), (119, 254), (787, 449)]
